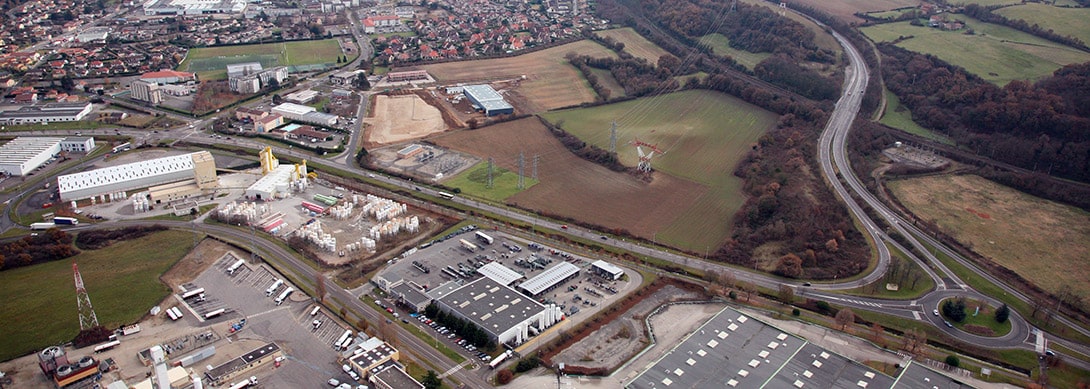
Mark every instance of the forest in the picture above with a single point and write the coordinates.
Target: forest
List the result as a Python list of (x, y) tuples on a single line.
[(50, 245), (755, 29), (1043, 127)]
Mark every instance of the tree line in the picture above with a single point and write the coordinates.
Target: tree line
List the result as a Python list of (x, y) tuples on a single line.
[(1043, 127), (49, 245)]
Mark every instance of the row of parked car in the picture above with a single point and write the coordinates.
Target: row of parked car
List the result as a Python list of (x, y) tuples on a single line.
[(451, 335)]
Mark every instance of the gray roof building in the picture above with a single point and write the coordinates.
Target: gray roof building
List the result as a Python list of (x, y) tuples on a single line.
[(503, 313), (550, 278), (733, 350)]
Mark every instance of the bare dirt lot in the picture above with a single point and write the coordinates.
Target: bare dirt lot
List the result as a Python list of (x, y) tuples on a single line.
[(550, 82), (619, 340), (401, 118), (575, 188), (1045, 242)]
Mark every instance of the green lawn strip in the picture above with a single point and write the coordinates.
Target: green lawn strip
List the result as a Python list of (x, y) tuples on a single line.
[(1060, 348), (899, 117), (76, 125), (122, 281), (1067, 376), (418, 372), (985, 318), (988, 288), (905, 292)]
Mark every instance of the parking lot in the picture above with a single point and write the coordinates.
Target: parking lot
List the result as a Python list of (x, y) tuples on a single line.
[(310, 358)]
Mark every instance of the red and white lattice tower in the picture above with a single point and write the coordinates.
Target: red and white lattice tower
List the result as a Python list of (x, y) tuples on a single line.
[(87, 318), (645, 158)]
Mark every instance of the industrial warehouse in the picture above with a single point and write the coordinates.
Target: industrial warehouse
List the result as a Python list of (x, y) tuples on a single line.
[(486, 99), (506, 315), (466, 274), (22, 155), (167, 179), (734, 350)]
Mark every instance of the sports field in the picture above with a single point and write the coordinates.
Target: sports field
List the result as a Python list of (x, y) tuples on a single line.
[(996, 53), (721, 46), (551, 82), (1045, 242), (703, 135), (210, 62), (1064, 21), (122, 281), (475, 181), (635, 44)]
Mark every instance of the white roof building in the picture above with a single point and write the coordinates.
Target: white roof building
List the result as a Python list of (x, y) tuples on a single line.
[(199, 166), (24, 154), (550, 278), (607, 269), (499, 273)]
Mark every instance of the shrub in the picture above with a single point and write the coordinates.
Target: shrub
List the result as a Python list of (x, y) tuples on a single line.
[(795, 312), (953, 361), (504, 377), (527, 364)]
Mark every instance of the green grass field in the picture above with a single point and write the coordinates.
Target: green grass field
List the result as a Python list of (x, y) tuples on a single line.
[(606, 79), (985, 318), (905, 291), (122, 281), (635, 44), (703, 133), (721, 46), (474, 181), (985, 3), (899, 117), (209, 62), (1063, 21), (996, 53)]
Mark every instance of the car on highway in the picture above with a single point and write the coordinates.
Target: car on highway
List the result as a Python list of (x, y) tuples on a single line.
[(564, 227), (936, 312), (948, 324)]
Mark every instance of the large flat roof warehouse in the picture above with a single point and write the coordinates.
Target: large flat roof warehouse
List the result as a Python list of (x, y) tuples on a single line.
[(492, 306), (134, 175), (500, 273), (552, 276), (733, 350), (23, 154), (482, 93)]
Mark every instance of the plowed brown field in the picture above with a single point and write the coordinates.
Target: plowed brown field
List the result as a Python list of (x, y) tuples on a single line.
[(572, 187)]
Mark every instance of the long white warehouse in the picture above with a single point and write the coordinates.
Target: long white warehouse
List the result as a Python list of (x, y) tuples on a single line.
[(199, 168), (24, 154)]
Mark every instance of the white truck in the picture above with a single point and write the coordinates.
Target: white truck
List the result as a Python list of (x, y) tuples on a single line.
[(468, 246)]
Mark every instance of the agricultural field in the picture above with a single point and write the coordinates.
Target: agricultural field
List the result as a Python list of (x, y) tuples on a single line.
[(703, 134), (1063, 21), (845, 9), (986, 3), (635, 44), (210, 62), (721, 46), (899, 117), (474, 181), (122, 281), (551, 82), (572, 187), (606, 79), (1046, 242), (996, 53)]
